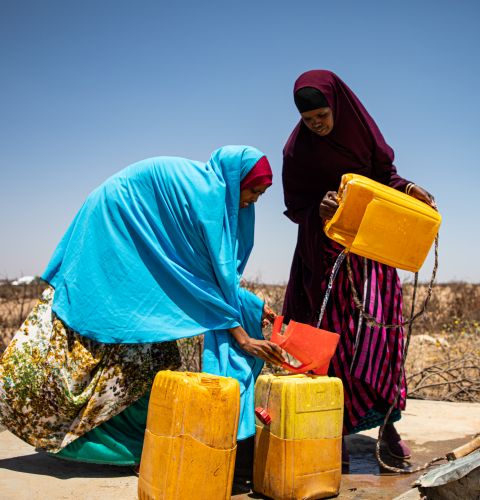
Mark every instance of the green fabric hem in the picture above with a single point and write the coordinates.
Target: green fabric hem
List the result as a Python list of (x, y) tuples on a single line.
[(374, 418), (118, 463)]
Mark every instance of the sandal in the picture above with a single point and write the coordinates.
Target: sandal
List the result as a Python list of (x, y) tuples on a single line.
[(396, 447)]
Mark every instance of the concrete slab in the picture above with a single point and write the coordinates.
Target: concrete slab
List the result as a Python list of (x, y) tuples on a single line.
[(432, 429)]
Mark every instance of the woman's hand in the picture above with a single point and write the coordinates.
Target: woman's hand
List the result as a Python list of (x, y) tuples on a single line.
[(329, 205), (268, 316), (263, 349), (421, 194)]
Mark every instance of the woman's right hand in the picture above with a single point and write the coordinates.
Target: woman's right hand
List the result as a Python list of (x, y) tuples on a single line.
[(329, 205)]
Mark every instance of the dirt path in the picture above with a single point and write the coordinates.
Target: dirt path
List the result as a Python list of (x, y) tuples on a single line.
[(431, 428)]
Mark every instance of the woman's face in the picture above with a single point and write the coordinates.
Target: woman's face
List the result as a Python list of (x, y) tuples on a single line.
[(319, 121), (251, 195)]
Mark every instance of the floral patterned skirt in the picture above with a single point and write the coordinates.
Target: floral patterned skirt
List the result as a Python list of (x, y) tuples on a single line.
[(56, 385)]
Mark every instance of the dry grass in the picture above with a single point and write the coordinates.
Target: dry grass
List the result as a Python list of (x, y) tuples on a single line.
[(444, 356)]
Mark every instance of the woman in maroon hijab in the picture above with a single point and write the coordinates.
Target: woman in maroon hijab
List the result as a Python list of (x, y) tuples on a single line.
[(335, 136)]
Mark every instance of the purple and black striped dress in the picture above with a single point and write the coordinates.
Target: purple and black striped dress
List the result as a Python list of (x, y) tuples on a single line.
[(368, 359)]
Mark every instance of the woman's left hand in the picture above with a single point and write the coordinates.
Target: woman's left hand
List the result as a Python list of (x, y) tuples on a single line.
[(263, 349), (268, 316), (421, 194)]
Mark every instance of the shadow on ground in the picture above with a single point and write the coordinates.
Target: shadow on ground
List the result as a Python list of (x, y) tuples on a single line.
[(45, 465), (364, 461)]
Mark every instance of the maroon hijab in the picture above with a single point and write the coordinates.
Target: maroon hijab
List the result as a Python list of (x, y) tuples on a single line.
[(314, 165)]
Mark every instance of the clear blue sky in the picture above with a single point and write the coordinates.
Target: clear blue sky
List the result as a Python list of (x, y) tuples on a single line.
[(88, 87)]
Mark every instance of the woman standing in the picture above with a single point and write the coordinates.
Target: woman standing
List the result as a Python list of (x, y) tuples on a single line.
[(155, 254), (335, 136)]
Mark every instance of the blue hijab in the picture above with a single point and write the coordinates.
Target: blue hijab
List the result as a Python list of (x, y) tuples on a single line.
[(156, 253)]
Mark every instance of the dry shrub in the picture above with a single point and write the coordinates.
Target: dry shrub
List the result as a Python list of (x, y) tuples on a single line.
[(449, 302), (443, 360), (191, 350), (16, 301)]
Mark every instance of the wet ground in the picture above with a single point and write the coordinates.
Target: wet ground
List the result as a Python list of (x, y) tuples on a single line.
[(365, 480), (431, 429)]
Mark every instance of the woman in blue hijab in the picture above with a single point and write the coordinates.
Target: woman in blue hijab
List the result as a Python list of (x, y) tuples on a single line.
[(155, 254)]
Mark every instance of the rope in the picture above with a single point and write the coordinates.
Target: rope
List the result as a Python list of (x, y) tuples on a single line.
[(371, 320)]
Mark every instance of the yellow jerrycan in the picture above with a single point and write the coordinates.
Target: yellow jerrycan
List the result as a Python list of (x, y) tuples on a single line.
[(298, 441), (190, 439), (383, 224)]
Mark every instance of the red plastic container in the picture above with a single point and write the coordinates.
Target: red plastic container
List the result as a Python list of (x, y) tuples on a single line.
[(311, 346)]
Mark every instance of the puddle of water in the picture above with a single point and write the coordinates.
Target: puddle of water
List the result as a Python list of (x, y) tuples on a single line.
[(364, 480)]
